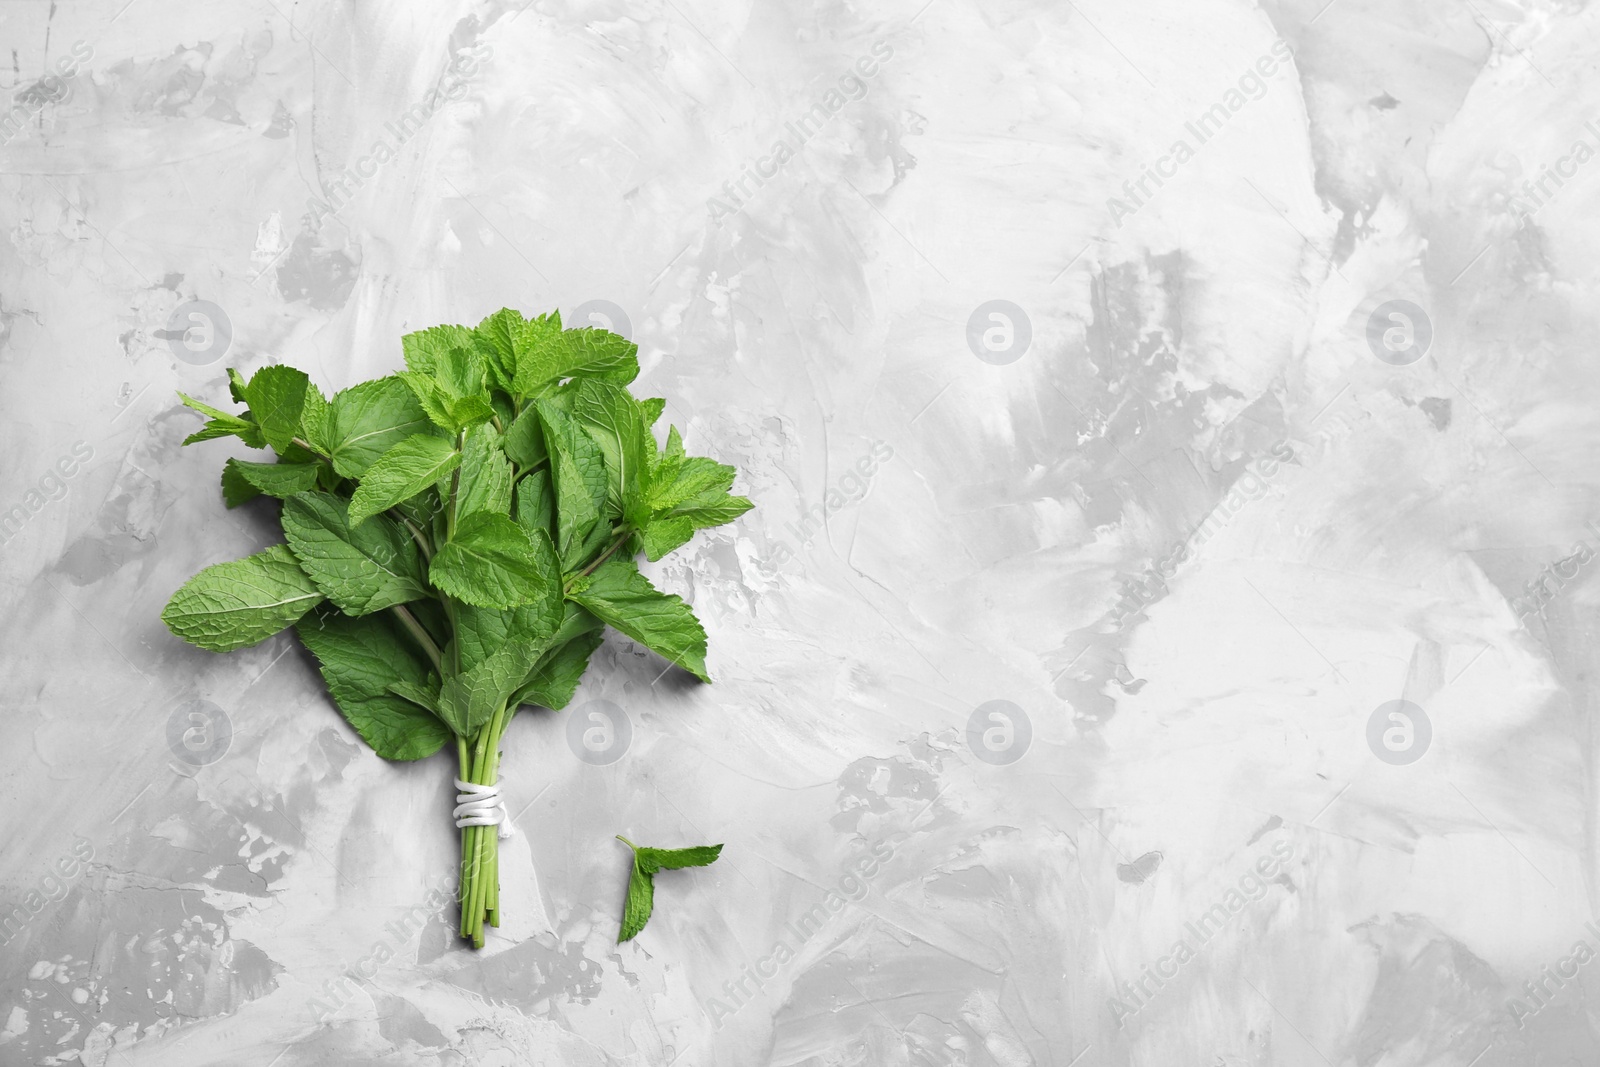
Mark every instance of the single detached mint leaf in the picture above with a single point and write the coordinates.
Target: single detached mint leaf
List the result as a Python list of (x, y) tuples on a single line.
[(647, 861), (241, 602), (493, 563), (363, 569), (401, 473), (365, 421), (360, 659), (276, 395), (624, 599)]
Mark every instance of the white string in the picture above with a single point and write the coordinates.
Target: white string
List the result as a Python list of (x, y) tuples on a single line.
[(482, 805)]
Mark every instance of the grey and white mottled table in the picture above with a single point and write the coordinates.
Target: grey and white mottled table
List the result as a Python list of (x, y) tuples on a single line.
[(1161, 637)]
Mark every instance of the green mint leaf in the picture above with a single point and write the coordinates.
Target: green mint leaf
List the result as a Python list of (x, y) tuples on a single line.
[(647, 861), (495, 337), (661, 536), (549, 355), (524, 439), (639, 904), (537, 344), (274, 479), (241, 602), (401, 473), (554, 679), (445, 409), (652, 406), (314, 417), (624, 599), (236, 386), (425, 348), (536, 504), (492, 562), (672, 859), (723, 509), (578, 474), (360, 659), (485, 475), (613, 420), (235, 489), (277, 396), (479, 631), (691, 477), (366, 420), (363, 569), (467, 700), (222, 424)]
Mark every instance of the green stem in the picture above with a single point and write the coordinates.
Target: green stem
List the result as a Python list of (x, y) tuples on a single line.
[(416, 534), (601, 558), (414, 628)]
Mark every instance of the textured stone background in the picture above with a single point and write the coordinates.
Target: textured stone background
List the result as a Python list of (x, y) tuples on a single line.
[(1186, 840)]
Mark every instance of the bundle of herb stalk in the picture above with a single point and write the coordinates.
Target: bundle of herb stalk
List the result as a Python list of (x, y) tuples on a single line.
[(458, 536)]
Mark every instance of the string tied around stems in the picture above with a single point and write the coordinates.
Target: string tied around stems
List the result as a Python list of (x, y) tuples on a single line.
[(482, 805)]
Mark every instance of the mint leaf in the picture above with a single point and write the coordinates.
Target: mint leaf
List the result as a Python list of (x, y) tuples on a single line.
[(401, 473), (241, 602), (485, 475), (586, 353), (578, 472), (652, 406), (647, 861), (360, 659), (672, 859), (425, 348), (613, 420), (524, 439), (639, 904), (536, 504), (276, 395), (493, 563), (623, 598), (314, 416), (661, 536), (467, 700), (495, 337), (365, 421), (235, 489), (222, 424), (362, 569), (274, 479), (479, 631), (453, 393), (554, 679)]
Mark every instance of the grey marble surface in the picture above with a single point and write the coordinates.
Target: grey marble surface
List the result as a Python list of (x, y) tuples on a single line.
[(1161, 637)]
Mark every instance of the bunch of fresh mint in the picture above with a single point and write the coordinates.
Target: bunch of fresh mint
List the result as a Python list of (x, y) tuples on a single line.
[(458, 536)]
